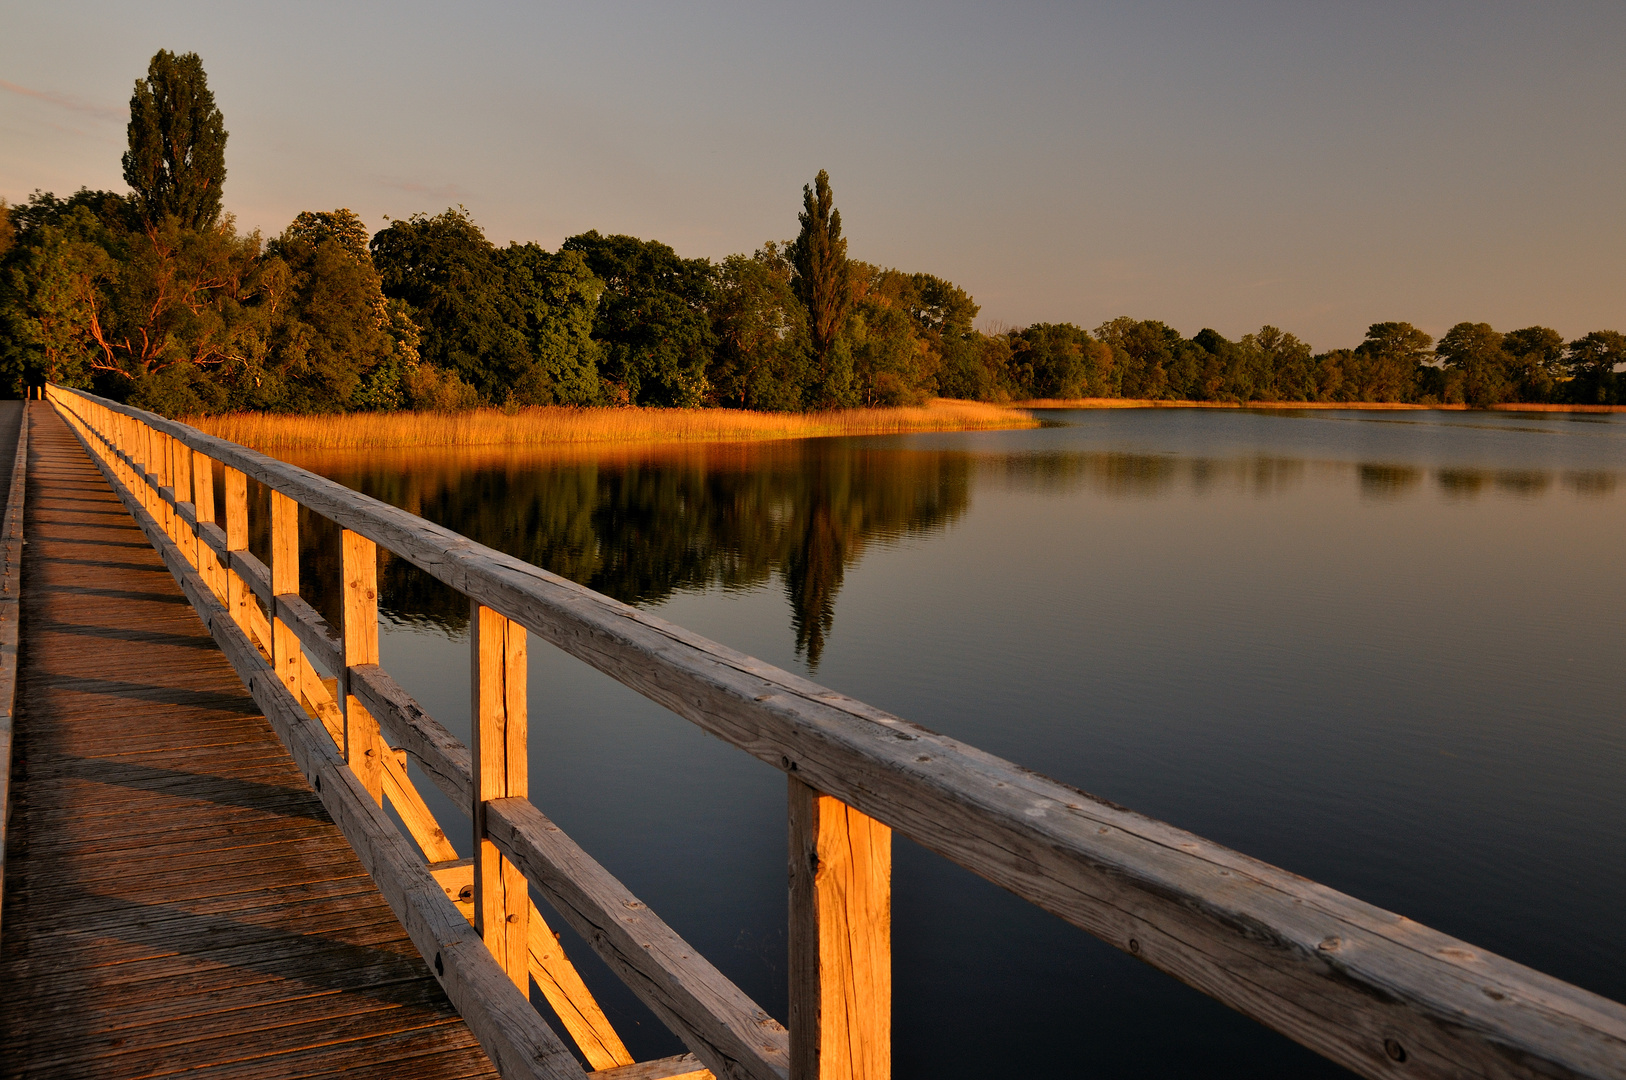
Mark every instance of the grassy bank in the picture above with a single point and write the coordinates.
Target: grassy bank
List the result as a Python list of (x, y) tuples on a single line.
[(553, 426), (1380, 406)]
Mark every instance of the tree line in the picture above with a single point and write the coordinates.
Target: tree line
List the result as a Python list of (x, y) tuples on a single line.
[(154, 297)]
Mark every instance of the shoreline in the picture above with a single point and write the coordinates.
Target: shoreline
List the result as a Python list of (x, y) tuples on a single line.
[(1373, 406)]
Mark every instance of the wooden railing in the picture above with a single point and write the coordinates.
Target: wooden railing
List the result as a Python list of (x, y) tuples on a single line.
[(1365, 987), (11, 580)]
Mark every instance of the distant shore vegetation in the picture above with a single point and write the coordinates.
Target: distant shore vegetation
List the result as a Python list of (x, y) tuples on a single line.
[(153, 297)]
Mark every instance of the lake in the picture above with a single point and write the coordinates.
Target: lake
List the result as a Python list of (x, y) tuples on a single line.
[(1380, 649)]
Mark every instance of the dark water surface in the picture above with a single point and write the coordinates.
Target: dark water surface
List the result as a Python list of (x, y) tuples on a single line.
[(1383, 650)]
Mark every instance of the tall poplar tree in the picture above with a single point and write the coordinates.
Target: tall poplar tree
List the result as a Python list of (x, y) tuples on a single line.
[(176, 163), (823, 280)]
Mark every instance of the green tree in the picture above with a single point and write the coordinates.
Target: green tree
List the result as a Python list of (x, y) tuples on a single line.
[(939, 307), (1280, 368), (653, 321), (763, 352), (148, 314), (977, 367), (893, 362), (1536, 356), (52, 280), (454, 285), (553, 298), (1388, 364), (1592, 362), (1220, 359), (188, 297), (1474, 352), (329, 334), (342, 226), (1148, 351), (1333, 374), (176, 163), (824, 282), (1060, 360)]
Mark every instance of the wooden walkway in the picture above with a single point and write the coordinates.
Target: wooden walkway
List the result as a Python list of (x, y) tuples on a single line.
[(177, 900)]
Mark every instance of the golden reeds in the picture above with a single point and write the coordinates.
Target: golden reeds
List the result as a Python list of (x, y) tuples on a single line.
[(560, 426)]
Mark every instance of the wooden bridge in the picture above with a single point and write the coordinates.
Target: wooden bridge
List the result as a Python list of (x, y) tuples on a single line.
[(200, 875)]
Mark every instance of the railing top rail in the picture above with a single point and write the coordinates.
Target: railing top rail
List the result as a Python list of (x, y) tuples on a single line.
[(1366, 987)]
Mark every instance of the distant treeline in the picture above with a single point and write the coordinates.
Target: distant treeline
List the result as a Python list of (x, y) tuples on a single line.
[(153, 297)]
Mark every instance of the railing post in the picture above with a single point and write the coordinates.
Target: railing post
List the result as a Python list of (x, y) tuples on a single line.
[(840, 940), (163, 479), (203, 505), (144, 442), (181, 455), (237, 598), (285, 648), (502, 905), (363, 745), (127, 443)]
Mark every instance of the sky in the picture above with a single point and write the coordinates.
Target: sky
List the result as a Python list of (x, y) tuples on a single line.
[(1317, 166)]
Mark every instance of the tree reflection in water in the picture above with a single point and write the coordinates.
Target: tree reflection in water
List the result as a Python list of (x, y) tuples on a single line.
[(641, 525)]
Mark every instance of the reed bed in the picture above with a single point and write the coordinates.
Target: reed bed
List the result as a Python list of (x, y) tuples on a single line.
[(559, 426)]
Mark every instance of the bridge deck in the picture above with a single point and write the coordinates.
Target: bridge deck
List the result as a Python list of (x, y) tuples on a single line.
[(176, 897)]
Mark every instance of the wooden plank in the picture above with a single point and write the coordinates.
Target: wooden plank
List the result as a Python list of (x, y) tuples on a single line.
[(415, 814), (840, 940), (363, 745), (315, 636), (555, 976), (318, 701), (443, 758), (561, 984), (728, 1031), (255, 574), (1242, 931), (682, 1067), (501, 898)]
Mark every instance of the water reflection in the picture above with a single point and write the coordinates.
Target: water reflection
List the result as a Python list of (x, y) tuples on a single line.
[(640, 525), (1388, 481)]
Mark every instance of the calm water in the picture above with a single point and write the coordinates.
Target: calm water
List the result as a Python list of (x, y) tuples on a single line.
[(1381, 650)]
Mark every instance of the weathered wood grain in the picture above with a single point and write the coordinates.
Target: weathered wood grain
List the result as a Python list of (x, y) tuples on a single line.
[(363, 744), (441, 755), (840, 940), (729, 1032), (498, 708), (315, 636), (561, 984), (682, 1067)]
